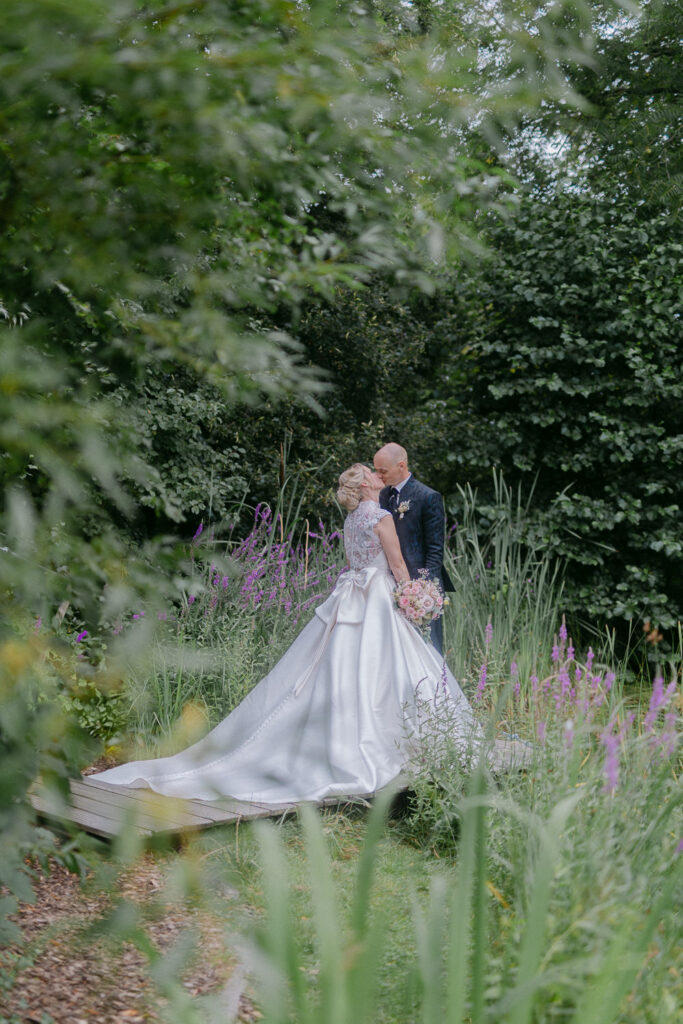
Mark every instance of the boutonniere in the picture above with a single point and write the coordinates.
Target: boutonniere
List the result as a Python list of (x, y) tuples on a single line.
[(403, 508)]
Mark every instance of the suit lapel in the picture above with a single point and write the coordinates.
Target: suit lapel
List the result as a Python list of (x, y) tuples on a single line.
[(408, 491)]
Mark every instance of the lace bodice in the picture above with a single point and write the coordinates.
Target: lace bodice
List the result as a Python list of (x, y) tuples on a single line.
[(360, 540)]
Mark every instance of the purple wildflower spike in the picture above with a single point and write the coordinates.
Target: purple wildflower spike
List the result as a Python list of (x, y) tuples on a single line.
[(482, 683), (198, 532), (656, 702), (81, 636), (488, 633)]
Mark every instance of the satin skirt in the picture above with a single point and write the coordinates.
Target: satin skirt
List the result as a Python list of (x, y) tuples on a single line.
[(338, 715)]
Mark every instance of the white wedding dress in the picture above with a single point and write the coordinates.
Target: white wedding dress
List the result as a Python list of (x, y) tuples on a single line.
[(338, 715)]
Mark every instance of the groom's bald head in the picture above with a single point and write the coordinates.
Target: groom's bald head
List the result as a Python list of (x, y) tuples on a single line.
[(391, 462)]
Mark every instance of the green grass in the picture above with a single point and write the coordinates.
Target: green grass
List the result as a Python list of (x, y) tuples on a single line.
[(401, 881)]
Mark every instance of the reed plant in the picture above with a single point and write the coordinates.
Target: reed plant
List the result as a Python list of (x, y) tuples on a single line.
[(508, 589)]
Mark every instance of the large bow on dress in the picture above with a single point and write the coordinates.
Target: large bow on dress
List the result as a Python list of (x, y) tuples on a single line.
[(345, 605)]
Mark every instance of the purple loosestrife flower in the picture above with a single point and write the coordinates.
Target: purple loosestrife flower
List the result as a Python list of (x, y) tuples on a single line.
[(514, 670), (444, 681), (162, 616), (609, 681), (589, 659), (81, 636), (563, 632), (534, 685), (191, 599), (198, 532), (481, 686), (656, 702), (555, 656), (570, 653), (488, 633), (612, 741), (516, 687)]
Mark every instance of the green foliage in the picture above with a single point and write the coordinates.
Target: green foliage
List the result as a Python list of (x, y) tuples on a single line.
[(629, 138), (170, 186), (531, 927), (506, 583), (574, 372), (35, 739)]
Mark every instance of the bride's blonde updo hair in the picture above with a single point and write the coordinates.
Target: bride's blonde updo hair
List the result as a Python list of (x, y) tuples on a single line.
[(349, 493)]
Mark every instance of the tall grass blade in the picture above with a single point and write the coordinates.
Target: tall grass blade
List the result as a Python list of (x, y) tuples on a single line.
[(280, 976), (533, 941), (329, 929), (625, 957), (463, 900)]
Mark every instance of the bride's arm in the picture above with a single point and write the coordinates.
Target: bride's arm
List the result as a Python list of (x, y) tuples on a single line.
[(386, 531)]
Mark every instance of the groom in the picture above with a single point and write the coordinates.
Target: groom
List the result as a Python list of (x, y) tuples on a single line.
[(419, 518)]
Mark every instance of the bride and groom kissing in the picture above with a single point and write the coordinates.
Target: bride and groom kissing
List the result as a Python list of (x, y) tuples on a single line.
[(340, 712)]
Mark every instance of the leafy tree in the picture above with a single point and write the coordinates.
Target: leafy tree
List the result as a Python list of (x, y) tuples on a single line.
[(173, 180), (630, 138), (568, 347)]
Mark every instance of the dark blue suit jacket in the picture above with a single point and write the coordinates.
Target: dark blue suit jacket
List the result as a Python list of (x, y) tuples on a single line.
[(421, 530)]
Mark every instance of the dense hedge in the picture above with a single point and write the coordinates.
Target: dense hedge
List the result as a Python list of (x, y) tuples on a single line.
[(573, 380)]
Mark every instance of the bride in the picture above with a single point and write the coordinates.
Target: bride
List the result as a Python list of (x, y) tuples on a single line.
[(339, 713)]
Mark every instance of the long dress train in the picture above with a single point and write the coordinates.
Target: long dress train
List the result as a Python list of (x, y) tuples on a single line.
[(337, 715)]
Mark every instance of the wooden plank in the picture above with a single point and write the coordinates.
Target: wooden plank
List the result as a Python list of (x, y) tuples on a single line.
[(104, 808), (173, 822), (235, 810), (112, 816), (508, 755), (112, 810), (207, 811), (89, 822), (146, 802)]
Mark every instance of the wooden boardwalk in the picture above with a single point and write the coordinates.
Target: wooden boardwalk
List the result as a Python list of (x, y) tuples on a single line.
[(105, 810)]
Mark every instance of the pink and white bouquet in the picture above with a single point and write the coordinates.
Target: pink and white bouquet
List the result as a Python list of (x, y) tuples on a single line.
[(420, 600)]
